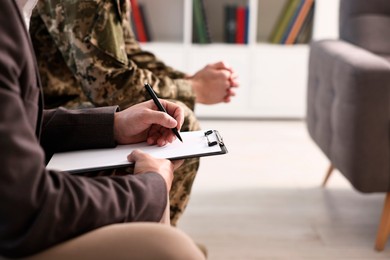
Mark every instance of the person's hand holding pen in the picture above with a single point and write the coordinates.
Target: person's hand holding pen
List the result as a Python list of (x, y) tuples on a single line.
[(144, 122), (160, 107)]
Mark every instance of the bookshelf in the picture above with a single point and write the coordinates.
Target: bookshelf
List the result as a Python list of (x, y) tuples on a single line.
[(272, 76)]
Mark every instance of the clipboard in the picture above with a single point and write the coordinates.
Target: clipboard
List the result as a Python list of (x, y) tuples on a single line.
[(195, 144)]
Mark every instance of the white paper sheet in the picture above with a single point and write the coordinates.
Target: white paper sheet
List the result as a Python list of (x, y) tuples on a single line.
[(195, 144)]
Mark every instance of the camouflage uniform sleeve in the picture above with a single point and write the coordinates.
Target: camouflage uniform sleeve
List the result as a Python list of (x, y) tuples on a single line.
[(147, 60), (93, 36)]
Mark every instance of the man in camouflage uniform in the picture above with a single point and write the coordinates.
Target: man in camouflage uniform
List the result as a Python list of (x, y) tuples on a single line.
[(88, 56)]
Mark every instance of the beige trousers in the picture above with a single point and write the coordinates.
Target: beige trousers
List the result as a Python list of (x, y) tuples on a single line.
[(138, 241)]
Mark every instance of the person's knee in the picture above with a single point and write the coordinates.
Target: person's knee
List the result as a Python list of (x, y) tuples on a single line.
[(171, 243), (141, 241), (149, 241)]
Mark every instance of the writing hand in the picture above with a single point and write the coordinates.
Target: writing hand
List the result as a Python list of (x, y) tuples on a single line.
[(143, 122)]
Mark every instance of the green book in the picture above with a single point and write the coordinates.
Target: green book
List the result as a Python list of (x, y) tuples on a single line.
[(199, 26), (284, 20)]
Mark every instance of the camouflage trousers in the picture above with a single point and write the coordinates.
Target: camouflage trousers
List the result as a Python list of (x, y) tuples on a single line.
[(184, 177)]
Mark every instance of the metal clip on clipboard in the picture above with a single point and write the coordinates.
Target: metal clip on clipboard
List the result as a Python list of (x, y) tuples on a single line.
[(217, 136)]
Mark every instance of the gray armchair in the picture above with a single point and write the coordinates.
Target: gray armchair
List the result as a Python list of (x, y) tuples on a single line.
[(348, 102)]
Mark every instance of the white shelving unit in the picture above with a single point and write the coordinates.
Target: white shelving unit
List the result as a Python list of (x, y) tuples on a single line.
[(272, 77)]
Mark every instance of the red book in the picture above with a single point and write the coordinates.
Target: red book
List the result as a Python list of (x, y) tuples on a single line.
[(139, 26), (240, 24)]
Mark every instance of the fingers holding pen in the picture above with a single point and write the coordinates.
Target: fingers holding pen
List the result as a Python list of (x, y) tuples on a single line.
[(174, 111), (139, 122), (160, 136), (168, 111)]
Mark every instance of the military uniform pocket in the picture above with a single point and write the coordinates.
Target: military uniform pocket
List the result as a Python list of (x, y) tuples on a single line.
[(107, 31)]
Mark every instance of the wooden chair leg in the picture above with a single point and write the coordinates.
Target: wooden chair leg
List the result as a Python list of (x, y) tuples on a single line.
[(328, 173), (384, 226)]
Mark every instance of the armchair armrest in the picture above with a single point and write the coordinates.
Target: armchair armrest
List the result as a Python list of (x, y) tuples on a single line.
[(348, 111)]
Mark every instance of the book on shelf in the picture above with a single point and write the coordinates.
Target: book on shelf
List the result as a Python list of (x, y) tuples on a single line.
[(307, 6), (236, 24), (240, 25), (201, 33), (292, 21), (285, 18), (305, 33), (246, 25), (139, 28), (230, 23), (206, 24)]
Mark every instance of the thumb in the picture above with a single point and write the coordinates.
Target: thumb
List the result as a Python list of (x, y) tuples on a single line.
[(135, 156), (221, 65)]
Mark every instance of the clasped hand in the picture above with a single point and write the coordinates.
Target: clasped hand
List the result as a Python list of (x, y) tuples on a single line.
[(214, 83)]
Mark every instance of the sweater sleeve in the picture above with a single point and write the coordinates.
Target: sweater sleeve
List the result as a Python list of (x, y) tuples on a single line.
[(66, 130), (41, 208)]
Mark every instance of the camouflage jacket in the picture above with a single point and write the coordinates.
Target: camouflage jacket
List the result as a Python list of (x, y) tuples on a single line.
[(88, 56)]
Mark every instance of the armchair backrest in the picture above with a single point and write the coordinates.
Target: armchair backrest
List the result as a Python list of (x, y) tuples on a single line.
[(366, 23)]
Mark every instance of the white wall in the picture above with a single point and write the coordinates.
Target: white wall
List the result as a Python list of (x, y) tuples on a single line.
[(326, 19)]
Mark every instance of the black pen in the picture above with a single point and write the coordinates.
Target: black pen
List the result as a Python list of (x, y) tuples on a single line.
[(160, 107)]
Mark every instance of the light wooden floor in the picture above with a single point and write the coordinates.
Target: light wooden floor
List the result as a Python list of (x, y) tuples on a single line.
[(263, 199)]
